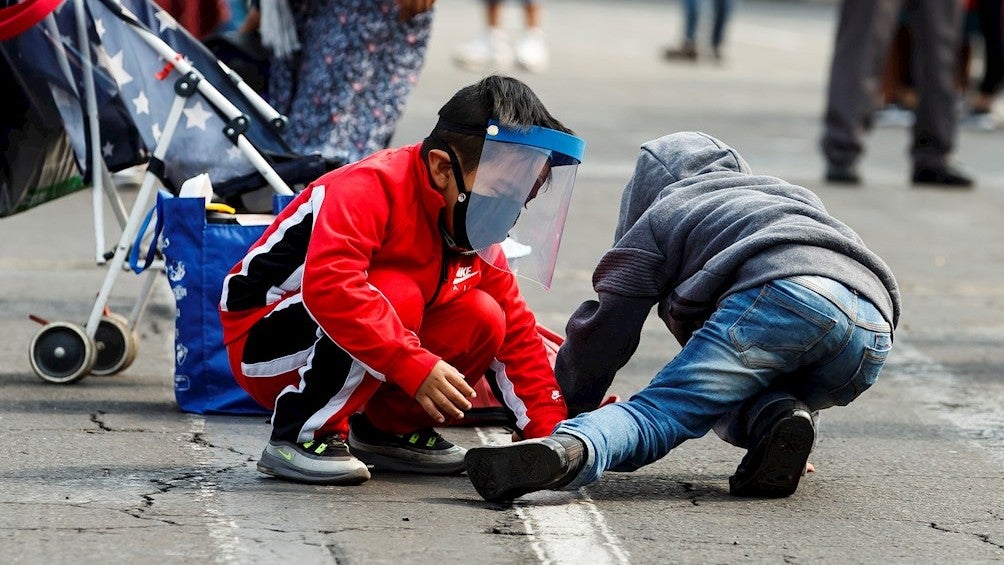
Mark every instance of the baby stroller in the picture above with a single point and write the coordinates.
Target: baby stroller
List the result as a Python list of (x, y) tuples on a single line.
[(102, 86)]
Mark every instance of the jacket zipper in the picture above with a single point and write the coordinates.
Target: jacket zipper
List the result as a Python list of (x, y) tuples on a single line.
[(442, 278)]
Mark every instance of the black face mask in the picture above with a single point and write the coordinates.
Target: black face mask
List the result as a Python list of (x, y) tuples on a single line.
[(460, 238)]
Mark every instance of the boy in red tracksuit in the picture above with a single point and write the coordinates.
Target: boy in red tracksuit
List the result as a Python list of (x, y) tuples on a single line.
[(376, 300)]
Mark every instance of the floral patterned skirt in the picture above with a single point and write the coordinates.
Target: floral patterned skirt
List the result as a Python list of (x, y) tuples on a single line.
[(344, 91)]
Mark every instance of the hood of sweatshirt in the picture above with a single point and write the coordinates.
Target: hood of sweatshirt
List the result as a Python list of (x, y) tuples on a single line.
[(666, 161)]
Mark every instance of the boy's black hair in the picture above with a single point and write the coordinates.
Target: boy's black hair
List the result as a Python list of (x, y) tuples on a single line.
[(464, 118)]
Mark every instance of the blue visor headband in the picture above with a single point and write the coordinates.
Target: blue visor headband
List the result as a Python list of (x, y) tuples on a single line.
[(566, 149)]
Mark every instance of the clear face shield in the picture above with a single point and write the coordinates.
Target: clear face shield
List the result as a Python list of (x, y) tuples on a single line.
[(521, 195)]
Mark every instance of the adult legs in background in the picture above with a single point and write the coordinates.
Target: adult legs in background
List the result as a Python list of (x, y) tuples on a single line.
[(936, 32), (936, 29), (980, 110), (864, 29), (494, 49), (723, 12), (346, 88), (688, 47), (532, 52)]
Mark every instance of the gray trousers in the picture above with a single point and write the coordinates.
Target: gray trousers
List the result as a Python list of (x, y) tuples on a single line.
[(864, 32)]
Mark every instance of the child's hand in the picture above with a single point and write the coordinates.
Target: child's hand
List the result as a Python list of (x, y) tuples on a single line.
[(444, 391)]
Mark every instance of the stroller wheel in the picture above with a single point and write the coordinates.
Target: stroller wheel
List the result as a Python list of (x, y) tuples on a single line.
[(62, 353), (116, 345)]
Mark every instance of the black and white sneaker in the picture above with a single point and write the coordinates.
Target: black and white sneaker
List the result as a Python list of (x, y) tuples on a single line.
[(423, 451), (776, 462), (504, 472), (324, 461)]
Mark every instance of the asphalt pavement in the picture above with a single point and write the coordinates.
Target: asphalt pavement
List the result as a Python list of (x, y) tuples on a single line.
[(109, 470)]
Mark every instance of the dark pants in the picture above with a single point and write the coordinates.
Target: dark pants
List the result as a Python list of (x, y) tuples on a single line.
[(864, 31)]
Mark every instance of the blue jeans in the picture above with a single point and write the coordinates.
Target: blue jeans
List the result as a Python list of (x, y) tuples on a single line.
[(692, 12), (806, 336)]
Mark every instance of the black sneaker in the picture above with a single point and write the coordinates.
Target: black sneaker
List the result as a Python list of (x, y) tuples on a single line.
[(423, 451), (842, 174), (945, 176), (325, 461), (775, 464), (504, 472)]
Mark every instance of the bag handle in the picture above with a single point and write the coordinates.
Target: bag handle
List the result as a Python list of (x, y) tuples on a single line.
[(158, 228), (279, 201)]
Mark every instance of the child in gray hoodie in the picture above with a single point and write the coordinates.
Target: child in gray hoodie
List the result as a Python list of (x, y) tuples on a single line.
[(781, 310)]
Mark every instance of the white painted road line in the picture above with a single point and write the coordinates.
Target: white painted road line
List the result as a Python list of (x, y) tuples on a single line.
[(979, 416), (563, 526), (222, 528)]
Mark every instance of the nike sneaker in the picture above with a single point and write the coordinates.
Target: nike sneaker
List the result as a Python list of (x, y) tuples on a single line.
[(323, 461), (423, 451)]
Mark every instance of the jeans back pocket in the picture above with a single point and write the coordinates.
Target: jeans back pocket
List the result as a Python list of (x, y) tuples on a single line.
[(872, 360), (778, 329)]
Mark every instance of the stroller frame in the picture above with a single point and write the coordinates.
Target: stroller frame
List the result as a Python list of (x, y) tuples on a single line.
[(65, 352)]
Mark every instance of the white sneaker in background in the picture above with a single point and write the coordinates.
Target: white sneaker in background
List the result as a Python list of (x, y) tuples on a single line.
[(491, 51), (980, 120), (893, 116), (531, 52)]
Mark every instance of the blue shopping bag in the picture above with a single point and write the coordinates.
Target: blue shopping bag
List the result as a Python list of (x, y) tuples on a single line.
[(198, 253)]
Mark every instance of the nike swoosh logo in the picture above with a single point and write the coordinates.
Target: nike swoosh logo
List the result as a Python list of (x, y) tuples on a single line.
[(463, 278), (288, 456)]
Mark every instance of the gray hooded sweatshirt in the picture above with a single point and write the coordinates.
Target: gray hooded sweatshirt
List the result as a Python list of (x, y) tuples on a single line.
[(695, 226)]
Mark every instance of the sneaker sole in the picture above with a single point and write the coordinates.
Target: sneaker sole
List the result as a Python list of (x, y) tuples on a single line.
[(273, 466), (504, 473), (401, 460), (484, 66), (782, 462), (531, 67)]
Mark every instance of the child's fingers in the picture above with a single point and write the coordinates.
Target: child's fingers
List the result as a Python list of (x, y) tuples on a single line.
[(460, 384), (445, 401), (456, 398), (430, 408)]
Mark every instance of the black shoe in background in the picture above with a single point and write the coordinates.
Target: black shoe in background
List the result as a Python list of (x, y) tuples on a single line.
[(941, 175), (842, 174), (686, 52)]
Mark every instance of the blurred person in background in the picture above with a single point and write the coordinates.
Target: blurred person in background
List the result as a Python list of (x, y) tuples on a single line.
[(238, 13), (494, 49), (687, 51), (898, 99), (199, 17), (982, 22), (342, 71), (864, 31)]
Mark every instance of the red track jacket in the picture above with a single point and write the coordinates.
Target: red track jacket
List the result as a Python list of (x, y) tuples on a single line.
[(382, 213)]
